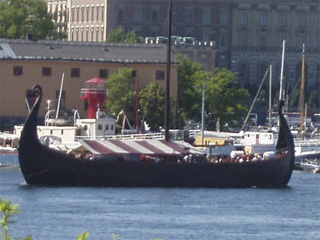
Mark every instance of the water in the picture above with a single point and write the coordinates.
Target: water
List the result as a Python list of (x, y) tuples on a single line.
[(59, 213)]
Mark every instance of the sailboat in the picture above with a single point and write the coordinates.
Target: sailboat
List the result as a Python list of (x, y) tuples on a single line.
[(307, 150)]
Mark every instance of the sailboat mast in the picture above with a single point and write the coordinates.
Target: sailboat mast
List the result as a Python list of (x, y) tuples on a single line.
[(270, 96), (303, 79), (167, 113), (202, 113), (281, 95)]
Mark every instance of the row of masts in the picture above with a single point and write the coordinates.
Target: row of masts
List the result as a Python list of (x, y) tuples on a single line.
[(282, 91)]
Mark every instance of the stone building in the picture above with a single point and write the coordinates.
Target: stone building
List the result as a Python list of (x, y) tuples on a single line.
[(207, 21), (258, 31), (25, 63), (248, 34)]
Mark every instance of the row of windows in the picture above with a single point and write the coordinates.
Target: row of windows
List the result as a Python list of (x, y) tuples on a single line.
[(75, 72), (261, 69), (87, 34), (282, 19), (106, 127), (154, 15), (87, 14), (47, 71)]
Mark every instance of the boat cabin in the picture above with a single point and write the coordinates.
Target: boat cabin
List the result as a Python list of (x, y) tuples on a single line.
[(259, 142)]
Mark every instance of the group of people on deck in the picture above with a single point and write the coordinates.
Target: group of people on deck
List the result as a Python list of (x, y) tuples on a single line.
[(242, 158)]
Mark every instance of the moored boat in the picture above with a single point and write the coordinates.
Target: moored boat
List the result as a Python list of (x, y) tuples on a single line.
[(42, 165), (8, 143)]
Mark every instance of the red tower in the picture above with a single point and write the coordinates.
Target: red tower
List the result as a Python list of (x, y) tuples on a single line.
[(96, 94)]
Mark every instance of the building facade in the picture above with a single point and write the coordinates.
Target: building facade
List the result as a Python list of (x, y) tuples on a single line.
[(26, 63), (206, 21), (258, 31), (248, 34)]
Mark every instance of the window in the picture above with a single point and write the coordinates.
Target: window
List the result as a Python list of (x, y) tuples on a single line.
[(138, 14), (224, 17), (77, 15), (92, 14), (223, 39), (82, 14), (263, 19), (155, 15), (244, 19), (104, 73), (160, 74), (72, 14), (75, 72), (302, 20), (174, 15), (87, 14), (189, 15), (206, 16), (107, 127), (102, 13), (206, 34), (17, 70), (283, 19), (120, 15), (100, 126), (97, 15), (46, 71)]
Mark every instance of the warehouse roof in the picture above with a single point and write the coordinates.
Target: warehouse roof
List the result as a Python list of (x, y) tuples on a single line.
[(83, 51)]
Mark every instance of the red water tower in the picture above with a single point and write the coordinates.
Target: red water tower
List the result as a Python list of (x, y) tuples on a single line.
[(95, 93)]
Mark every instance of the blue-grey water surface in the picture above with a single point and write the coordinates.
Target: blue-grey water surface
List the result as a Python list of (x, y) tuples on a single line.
[(63, 213)]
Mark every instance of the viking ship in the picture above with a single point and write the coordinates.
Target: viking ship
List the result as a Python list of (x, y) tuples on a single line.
[(41, 165)]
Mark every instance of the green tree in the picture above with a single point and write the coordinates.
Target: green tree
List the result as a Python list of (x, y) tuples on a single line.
[(225, 100), (152, 103), (122, 93), (19, 18), (118, 35), (189, 95)]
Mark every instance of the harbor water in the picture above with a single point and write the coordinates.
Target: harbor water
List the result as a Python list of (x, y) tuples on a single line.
[(63, 213)]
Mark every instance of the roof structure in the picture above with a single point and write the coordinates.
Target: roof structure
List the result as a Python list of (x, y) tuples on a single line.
[(150, 147), (83, 51), (95, 80)]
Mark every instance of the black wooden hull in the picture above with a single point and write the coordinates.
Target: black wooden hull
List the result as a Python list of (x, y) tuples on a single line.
[(41, 165)]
